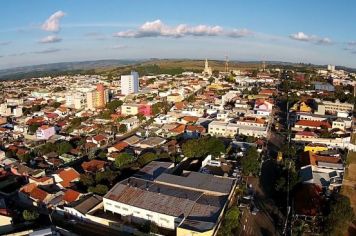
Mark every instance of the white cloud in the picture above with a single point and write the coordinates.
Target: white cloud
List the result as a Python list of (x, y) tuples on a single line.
[(52, 24), (50, 39), (119, 46), (351, 43), (158, 28), (301, 36), (238, 33)]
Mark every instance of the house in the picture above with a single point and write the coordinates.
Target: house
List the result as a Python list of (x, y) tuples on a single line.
[(338, 124), (32, 194), (99, 140), (305, 135), (71, 196), (66, 177), (22, 170), (315, 147), (263, 107), (118, 147), (151, 142), (45, 132), (175, 97), (94, 166), (84, 205), (130, 109), (311, 124)]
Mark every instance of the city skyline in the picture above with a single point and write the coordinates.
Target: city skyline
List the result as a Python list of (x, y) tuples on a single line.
[(302, 31)]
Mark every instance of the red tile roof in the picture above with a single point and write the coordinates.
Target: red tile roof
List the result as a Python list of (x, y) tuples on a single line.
[(190, 118), (306, 133), (68, 175), (313, 123), (93, 165), (38, 194), (71, 196), (179, 129), (120, 146)]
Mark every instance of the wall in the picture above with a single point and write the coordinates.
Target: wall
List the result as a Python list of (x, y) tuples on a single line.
[(120, 208)]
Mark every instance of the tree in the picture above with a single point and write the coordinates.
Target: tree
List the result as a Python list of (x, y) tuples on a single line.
[(87, 180), (141, 117), (102, 154), (340, 216), (99, 189), (146, 158), (25, 157), (231, 222), (33, 128), (250, 163), (123, 159), (30, 215), (56, 104), (201, 147), (64, 147), (122, 129), (105, 177), (287, 169), (113, 105)]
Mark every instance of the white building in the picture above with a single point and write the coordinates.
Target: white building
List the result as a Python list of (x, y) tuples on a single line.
[(130, 83)]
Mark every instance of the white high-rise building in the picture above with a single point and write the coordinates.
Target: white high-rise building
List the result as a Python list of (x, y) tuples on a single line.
[(331, 68), (129, 83)]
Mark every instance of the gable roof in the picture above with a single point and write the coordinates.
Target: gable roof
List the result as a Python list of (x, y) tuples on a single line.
[(71, 196), (68, 175), (93, 165)]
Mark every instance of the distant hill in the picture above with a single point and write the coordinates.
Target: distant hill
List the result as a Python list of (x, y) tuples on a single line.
[(144, 67), (60, 68)]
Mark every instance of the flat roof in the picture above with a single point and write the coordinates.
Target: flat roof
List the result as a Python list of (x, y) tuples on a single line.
[(152, 170), (198, 181), (200, 210)]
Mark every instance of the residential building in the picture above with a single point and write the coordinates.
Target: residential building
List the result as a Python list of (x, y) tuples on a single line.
[(45, 132), (130, 83)]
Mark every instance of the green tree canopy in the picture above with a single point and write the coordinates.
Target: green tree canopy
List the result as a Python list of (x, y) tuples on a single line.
[(146, 158), (340, 216), (87, 180), (113, 105), (250, 163), (122, 128), (123, 159), (30, 215), (230, 222), (201, 147), (99, 189), (107, 176), (64, 147)]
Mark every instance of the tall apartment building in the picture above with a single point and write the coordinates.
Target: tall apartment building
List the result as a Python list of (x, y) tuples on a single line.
[(97, 98), (130, 83)]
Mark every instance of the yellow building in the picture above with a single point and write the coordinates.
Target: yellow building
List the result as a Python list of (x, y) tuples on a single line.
[(190, 232), (315, 148), (304, 107)]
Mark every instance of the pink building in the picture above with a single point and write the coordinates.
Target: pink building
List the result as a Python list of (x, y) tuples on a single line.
[(45, 132), (145, 109)]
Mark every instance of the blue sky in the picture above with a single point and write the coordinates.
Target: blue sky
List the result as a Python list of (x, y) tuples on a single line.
[(36, 32)]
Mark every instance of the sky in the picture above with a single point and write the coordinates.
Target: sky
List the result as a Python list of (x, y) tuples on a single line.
[(41, 32)]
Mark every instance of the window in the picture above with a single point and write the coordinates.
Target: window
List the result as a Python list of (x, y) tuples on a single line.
[(163, 219), (117, 206), (125, 209)]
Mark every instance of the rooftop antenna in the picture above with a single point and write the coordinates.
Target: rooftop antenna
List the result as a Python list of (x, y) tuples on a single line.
[(226, 64)]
